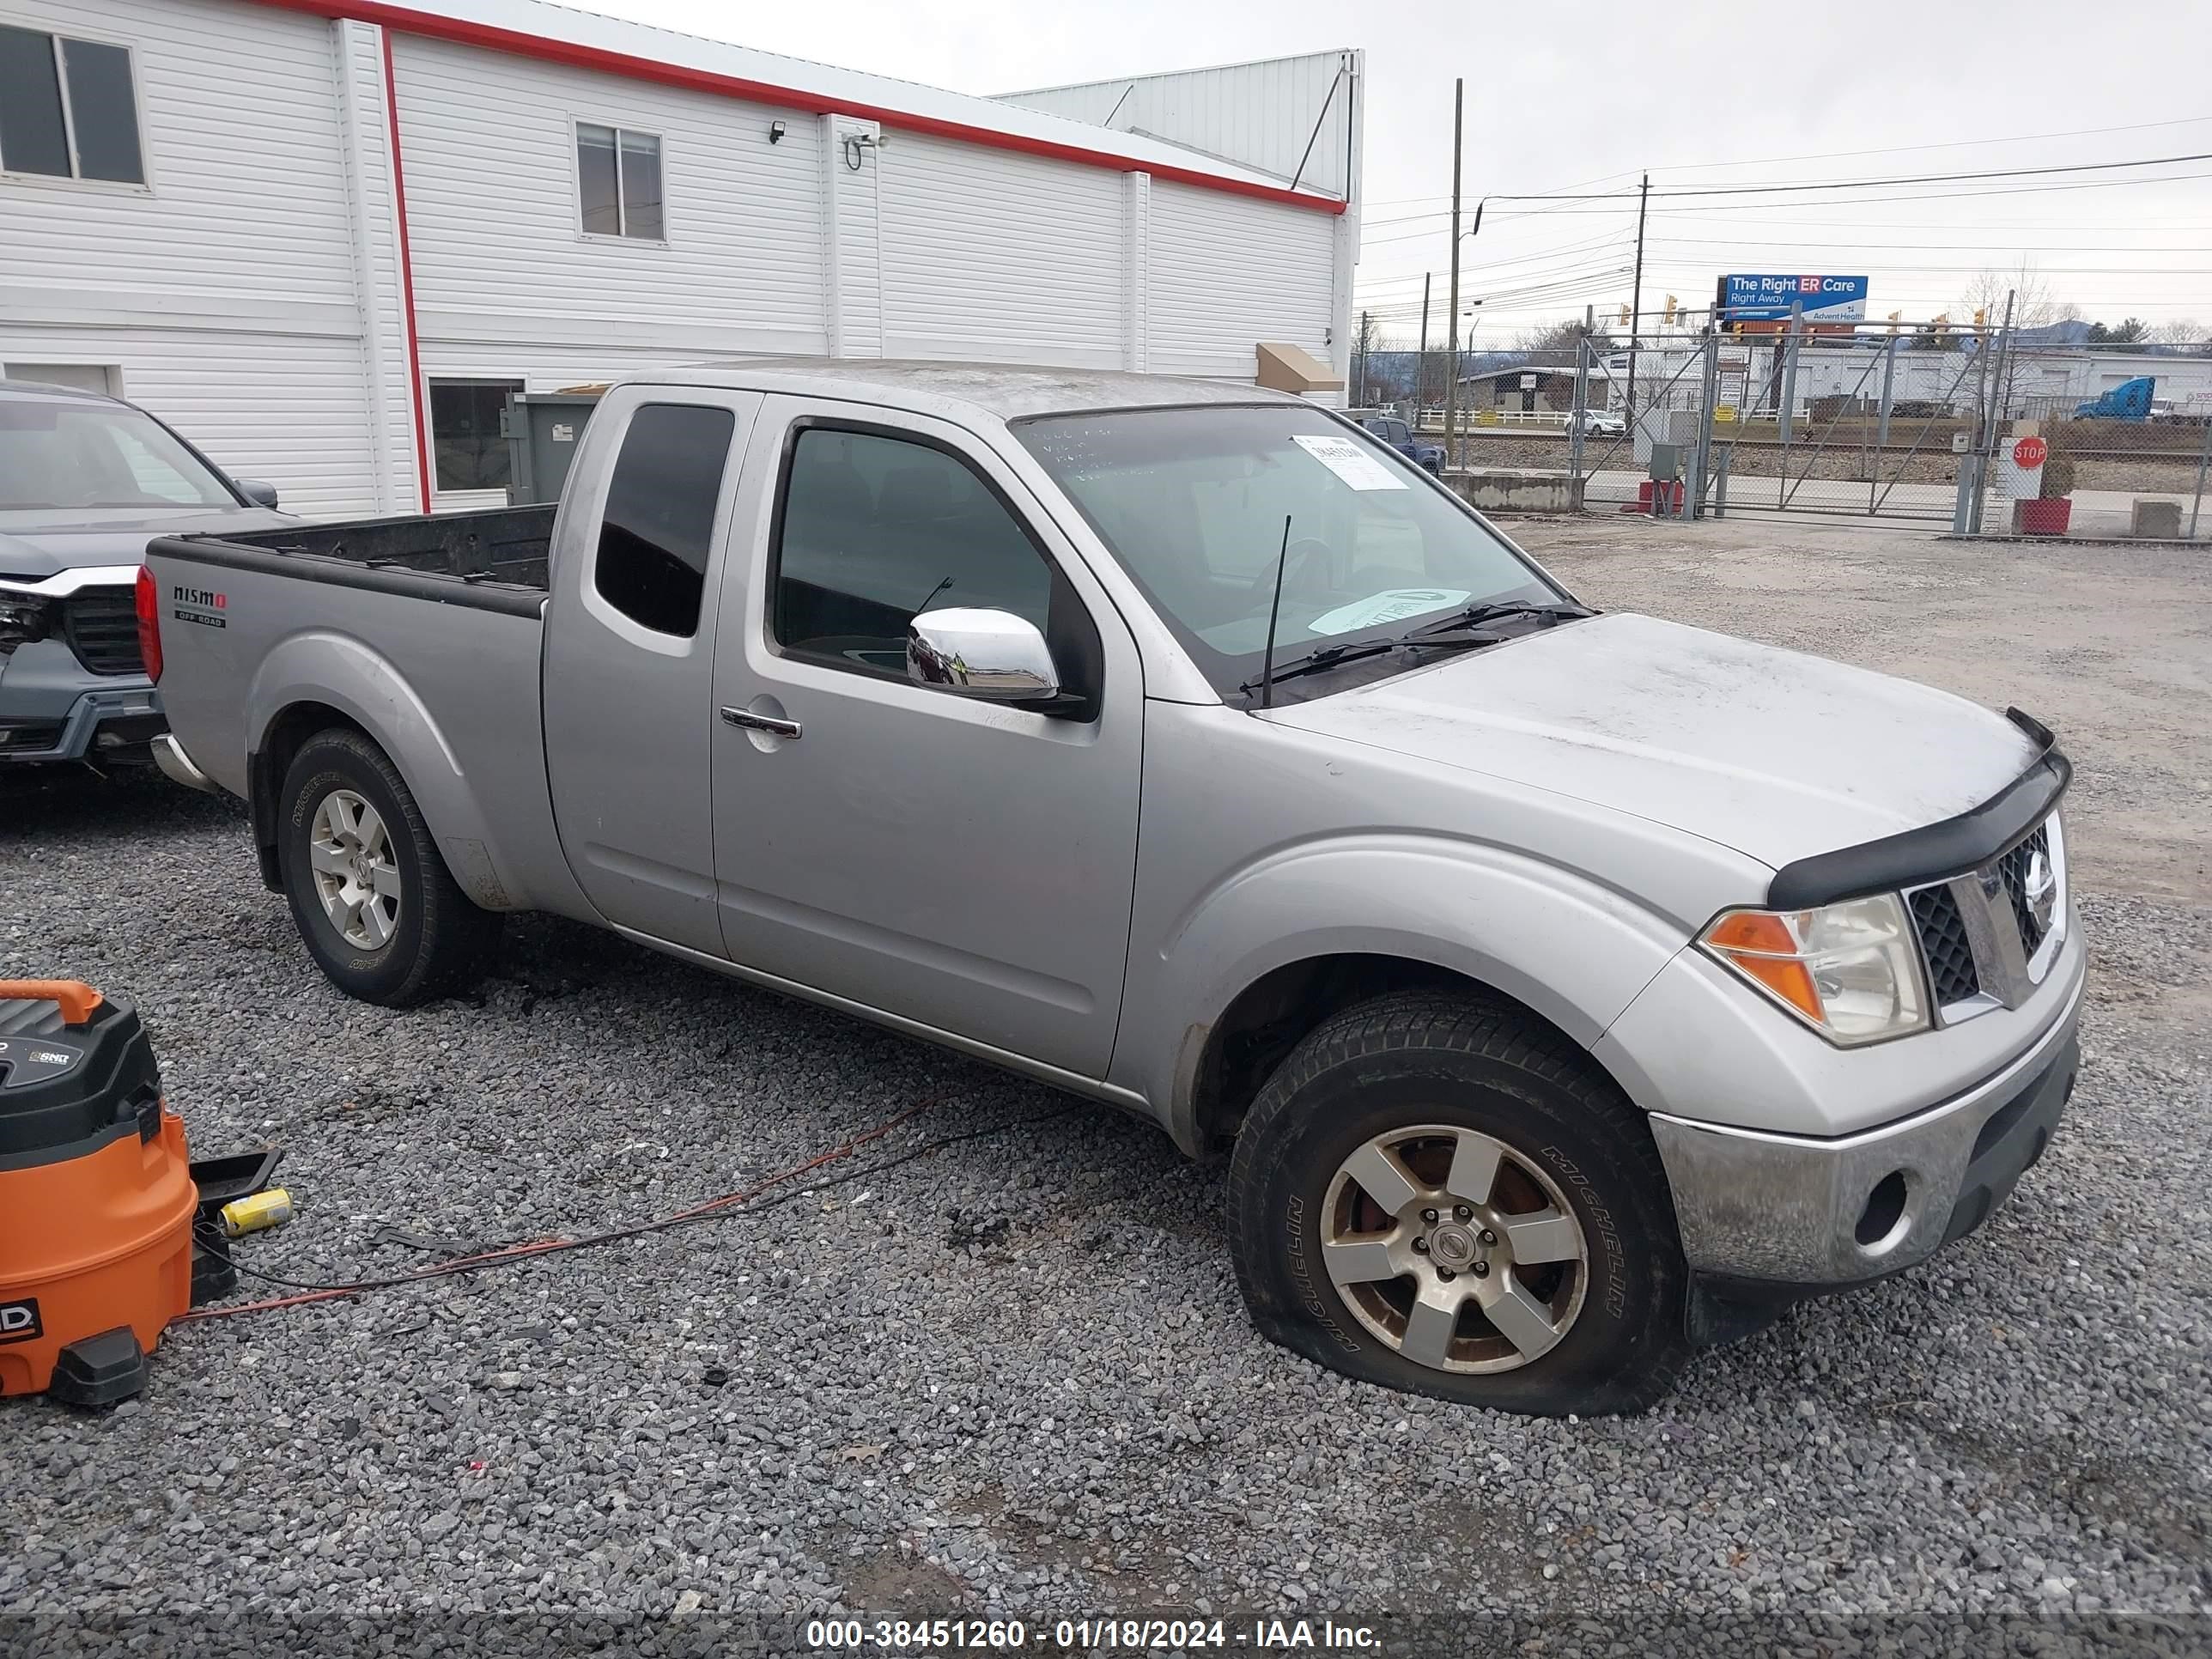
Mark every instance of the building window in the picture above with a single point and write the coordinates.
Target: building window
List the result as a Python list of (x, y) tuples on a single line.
[(465, 444), (658, 526), (68, 108), (619, 182)]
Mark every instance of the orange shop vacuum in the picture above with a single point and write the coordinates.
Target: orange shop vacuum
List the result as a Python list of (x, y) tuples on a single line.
[(97, 1197)]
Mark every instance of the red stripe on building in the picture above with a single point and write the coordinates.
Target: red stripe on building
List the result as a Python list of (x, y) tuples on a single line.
[(489, 36)]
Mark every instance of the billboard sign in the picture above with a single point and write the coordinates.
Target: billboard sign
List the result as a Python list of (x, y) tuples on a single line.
[(1765, 299)]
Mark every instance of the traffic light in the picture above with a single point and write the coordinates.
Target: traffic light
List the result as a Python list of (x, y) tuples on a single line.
[(1624, 316), (1981, 316), (1670, 308), (1894, 317)]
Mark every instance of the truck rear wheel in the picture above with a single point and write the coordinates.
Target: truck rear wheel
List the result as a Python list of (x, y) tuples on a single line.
[(1444, 1196), (369, 892)]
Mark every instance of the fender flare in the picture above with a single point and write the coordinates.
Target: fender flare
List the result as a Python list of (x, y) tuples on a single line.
[(1572, 950), (341, 672)]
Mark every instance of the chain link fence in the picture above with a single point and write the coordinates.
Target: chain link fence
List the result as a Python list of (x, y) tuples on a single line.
[(1919, 425)]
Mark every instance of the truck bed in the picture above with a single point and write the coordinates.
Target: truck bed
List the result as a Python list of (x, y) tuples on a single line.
[(423, 632), (504, 545)]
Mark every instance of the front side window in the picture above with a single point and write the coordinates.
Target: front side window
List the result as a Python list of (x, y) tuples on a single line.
[(619, 182), (466, 448), (658, 529), (1195, 502), (68, 108), (71, 455), (875, 530)]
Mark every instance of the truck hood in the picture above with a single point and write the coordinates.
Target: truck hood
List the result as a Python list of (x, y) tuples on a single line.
[(1778, 755), (33, 546)]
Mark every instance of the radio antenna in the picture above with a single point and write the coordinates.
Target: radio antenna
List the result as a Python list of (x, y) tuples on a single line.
[(1267, 661)]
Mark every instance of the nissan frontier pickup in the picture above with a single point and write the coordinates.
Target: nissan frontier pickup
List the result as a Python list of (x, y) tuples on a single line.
[(1569, 989)]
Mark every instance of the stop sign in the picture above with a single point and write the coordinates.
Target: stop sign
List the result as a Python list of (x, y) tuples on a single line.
[(2029, 453)]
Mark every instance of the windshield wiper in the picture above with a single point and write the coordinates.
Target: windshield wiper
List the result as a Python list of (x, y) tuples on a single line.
[(1461, 631), (1314, 662), (1476, 615)]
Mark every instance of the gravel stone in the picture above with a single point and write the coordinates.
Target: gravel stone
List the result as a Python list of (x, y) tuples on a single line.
[(1012, 1377)]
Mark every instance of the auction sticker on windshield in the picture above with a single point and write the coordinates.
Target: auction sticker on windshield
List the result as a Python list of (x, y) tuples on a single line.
[(1349, 462), (1394, 604)]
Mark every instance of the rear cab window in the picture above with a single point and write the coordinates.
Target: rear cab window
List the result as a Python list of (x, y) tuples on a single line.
[(657, 529)]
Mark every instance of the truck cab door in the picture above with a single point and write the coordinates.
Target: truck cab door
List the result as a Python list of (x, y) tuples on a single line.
[(629, 653), (963, 864)]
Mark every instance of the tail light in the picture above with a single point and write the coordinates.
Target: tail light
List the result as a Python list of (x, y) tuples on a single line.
[(148, 603)]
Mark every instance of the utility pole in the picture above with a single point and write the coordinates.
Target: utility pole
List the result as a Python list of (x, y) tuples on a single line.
[(1421, 362), (1581, 394), (1451, 320), (1366, 345), (1636, 309)]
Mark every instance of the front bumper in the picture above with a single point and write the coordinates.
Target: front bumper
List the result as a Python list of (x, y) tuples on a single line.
[(125, 718), (1764, 1214)]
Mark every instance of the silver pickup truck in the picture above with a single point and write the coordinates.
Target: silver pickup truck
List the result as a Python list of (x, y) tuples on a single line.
[(1570, 990)]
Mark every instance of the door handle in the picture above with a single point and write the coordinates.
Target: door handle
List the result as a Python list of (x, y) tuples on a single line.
[(752, 722)]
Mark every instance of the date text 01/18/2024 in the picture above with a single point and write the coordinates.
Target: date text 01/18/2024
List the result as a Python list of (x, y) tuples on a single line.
[(1088, 1635)]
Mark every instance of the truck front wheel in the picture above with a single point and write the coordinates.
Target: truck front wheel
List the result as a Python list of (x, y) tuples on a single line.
[(1445, 1197), (371, 896)]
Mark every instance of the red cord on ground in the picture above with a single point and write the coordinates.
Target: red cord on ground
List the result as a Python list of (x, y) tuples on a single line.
[(548, 1246)]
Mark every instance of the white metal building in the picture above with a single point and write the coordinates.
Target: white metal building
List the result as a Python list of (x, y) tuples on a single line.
[(325, 238)]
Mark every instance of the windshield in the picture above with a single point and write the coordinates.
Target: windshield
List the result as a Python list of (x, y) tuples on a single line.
[(63, 455), (1191, 501)]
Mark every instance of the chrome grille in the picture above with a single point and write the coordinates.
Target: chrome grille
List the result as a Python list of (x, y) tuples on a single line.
[(101, 626), (1943, 942), (1979, 938)]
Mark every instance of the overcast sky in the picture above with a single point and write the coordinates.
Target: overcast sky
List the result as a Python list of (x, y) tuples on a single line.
[(1584, 97)]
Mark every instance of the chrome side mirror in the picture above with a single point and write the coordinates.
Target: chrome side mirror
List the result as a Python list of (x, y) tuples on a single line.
[(992, 654), (260, 494)]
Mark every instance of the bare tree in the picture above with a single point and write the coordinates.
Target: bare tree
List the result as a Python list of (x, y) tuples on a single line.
[(2033, 304), (1552, 342), (2182, 330)]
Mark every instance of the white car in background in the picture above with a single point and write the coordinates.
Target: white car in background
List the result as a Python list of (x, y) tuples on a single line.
[(1595, 423)]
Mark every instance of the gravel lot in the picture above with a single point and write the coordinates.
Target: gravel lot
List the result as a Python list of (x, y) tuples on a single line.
[(1010, 1376)]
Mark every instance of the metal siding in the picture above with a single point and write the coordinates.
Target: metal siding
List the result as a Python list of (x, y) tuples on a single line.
[(560, 34), (251, 296), (997, 257), (226, 291), (1260, 115), (499, 251), (1225, 274), (247, 196)]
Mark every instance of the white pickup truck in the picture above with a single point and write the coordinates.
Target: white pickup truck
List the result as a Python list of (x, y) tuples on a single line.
[(1572, 989)]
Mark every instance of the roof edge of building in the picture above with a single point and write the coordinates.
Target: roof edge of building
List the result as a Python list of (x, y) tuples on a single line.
[(496, 37)]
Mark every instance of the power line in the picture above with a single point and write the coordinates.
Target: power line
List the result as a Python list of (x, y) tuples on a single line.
[(1917, 195), (1954, 143), (1937, 178), (1840, 154), (1933, 248), (1583, 266)]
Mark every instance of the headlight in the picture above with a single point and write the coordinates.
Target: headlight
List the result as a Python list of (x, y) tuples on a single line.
[(22, 619), (1852, 971)]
